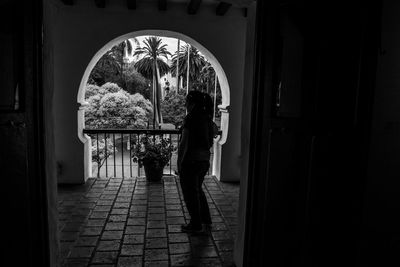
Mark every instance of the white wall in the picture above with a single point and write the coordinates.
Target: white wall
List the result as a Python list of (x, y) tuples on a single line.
[(81, 30)]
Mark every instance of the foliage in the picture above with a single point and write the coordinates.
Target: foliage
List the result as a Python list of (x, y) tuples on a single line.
[(205, 81), (135, 82), (153, 51), (100, 156), (138, 77), (114, 67), (155, 150), (110, 88), (151, 65), (107, 69), (173, 107), (145, 67), (196, 63), (112, 107), (91, 90)]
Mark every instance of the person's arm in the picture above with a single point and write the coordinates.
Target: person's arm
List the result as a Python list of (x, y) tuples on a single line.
[(183, 145)]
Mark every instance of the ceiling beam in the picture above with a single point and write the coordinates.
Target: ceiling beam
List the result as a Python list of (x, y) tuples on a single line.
[(193, 6), (131, 4), (222, 8), (162, 5), (239, 3), (68, 2), (100, 3)]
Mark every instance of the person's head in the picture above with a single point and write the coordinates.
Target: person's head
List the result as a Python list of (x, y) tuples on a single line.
[(194, 101), (197, 101)]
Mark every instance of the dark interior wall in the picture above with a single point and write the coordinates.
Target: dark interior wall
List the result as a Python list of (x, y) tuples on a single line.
[(381, 237), (50, 158)]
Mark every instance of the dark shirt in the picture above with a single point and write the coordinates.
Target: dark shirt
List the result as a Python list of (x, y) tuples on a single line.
[(197, 134)]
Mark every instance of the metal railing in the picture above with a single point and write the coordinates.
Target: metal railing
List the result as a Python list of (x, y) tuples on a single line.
[(112, 151)]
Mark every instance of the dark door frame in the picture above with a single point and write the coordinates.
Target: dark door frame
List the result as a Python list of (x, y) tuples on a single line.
[(39, 246), (266, 17), (257, 209)]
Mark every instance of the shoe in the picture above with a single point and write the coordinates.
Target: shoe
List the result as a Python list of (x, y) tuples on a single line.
[(190, 228)]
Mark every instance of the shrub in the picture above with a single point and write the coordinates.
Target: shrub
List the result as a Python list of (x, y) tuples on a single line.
[(112, 107), (173, 107)]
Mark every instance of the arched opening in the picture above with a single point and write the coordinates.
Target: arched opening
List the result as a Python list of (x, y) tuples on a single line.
[(222, 79)]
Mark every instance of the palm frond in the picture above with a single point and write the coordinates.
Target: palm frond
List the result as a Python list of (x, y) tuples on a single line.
[(196, 62), (163, 66), (136, 41), (145, 67), (128, 47)]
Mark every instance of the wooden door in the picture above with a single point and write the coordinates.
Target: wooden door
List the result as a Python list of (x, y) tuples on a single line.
[(310, 122), (21, 133)]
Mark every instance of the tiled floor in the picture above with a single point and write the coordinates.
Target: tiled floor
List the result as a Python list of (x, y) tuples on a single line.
[(129, 222)]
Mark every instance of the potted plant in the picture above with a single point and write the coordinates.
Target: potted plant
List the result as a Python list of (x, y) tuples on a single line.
[(154, 153)]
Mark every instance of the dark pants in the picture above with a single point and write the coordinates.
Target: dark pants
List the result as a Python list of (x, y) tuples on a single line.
[(191, 179)]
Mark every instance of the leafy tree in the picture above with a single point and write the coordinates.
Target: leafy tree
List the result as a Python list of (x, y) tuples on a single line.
[(135, 82), (152, 66), (196, 63), (173, 107), (206, 79), (91, 90), (112, 107), (106, 69), (121, 52), (114, 67)]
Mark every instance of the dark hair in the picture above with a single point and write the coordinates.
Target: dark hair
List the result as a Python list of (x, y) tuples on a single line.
[(202, 102), (195, 97), (208, 105)]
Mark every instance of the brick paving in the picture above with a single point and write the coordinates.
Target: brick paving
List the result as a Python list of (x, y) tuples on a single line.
[(130, 222)]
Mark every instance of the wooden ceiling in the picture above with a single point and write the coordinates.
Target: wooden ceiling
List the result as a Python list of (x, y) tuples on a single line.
[(222, 7)]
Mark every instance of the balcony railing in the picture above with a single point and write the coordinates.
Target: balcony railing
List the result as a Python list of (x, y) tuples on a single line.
[(112, 153)]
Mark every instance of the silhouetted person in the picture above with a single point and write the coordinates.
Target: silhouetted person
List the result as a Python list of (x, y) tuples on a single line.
[(198, 131)]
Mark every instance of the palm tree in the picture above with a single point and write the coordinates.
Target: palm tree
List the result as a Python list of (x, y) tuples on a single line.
[(122, 52), (207, 76), (129, 47), (196, 63), (111, 66), (177, 66), (152, 66)]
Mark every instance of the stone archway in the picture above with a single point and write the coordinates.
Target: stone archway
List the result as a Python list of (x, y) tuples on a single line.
[(222, 79)]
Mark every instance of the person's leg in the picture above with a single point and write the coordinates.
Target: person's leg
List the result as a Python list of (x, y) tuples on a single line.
[(204, 209), (189, 184)]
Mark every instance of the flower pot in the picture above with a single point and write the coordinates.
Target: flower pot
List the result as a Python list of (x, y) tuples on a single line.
[(153, 171)]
